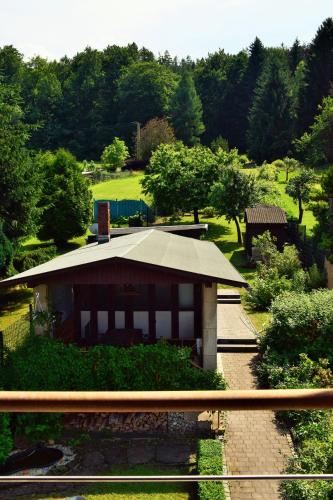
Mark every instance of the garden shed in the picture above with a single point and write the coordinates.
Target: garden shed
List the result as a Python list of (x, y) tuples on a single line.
[(261, 218), (137, 288)]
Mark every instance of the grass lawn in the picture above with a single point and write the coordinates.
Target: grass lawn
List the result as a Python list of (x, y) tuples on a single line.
[(132, 491), (118, 189)]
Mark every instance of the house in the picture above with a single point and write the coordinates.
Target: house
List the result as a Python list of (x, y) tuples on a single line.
[(261, 218), (136, 288)]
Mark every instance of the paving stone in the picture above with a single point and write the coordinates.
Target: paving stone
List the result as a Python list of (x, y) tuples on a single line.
[(254, 442), (140, 454)]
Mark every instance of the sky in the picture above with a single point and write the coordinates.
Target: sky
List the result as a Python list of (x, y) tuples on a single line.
[(54, 28)]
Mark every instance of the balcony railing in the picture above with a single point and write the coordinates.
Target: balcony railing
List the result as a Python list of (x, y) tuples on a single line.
[(164, 401)]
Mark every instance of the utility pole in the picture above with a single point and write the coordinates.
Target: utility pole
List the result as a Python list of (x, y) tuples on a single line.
[(138, 139)]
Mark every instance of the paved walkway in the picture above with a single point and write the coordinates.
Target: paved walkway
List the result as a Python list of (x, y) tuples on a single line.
[(232, 322), (254, 442)]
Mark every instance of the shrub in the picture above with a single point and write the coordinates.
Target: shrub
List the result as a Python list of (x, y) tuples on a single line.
[(302, 322), (209, 462), (219, 143), (42, 363), (114, 155), (279, 164), (268, 172), (26, 259), (265, 287), (6, 440), (208, 212)]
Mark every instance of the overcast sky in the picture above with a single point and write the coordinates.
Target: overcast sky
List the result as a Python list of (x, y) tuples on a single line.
[(53, 28)]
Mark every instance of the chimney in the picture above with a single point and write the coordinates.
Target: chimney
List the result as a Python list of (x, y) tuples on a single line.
[(103, 222)]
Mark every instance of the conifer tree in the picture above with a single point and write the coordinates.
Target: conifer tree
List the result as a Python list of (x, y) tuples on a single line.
[(272, 116), (319, 75), (186, 111)]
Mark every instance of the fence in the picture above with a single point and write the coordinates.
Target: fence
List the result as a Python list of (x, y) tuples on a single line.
[(308, 248), (14, 335), (125, 208)]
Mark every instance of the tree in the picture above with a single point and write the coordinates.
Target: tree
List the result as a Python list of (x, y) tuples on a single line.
[(272, 116), (157, 131), (6, 253), (186, 111), (144, 92), (299, 189), (66, 199), (19, 175), (316, 146), (319, 74), (114, 155), (179, 178), (232, 194), (290, 165)]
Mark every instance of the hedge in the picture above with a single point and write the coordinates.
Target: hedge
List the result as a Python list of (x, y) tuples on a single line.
[(209, 462), (43, 364)]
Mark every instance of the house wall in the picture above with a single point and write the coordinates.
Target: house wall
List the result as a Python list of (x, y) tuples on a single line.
[(209, 326), (41, 300), (61, 299)]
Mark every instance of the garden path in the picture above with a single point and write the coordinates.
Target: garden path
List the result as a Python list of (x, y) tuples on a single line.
[(255, 444)]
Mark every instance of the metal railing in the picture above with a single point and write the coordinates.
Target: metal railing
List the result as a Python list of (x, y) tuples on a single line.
[(157, 401)]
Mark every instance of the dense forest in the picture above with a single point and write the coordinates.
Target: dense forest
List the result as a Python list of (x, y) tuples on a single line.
[(260, 100)]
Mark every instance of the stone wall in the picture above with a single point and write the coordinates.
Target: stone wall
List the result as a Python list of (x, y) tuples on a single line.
[(147, 423)]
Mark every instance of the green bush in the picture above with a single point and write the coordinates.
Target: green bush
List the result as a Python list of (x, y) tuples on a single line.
[(42, 363), (209, 462), (26, 259), (268, 172), (6, 253), (265, 287), (302, 323), (6, 441)]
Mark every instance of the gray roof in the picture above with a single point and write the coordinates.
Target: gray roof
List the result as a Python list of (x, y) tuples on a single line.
[(265, 214), (151, 247)]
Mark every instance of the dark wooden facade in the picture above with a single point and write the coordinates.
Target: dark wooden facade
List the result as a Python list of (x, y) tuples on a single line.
[(119, 293), (278, 231)]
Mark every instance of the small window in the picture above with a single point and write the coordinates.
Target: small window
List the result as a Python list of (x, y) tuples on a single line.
[(102, 322), (119, 319), (186, 295), (163, 296), (163, 324), (186, 324)]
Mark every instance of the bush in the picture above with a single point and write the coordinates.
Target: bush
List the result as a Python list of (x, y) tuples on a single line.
[(114, 155), (42, 363), (26, 259), (208, 212), (279, 164), (268, 172), (209, 462), (265, 287), (302, 322), (6, 441)]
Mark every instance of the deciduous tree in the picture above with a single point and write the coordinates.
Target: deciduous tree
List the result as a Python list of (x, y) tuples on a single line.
[(114, 155), (66, 199), (299, 189)]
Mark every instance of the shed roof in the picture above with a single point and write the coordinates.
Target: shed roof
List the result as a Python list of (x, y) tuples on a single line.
[(265, 214), (150, 247)]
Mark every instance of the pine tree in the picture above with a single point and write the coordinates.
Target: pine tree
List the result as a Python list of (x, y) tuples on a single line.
[(296, 54), (272, 116), (319, 75), (186, 111)]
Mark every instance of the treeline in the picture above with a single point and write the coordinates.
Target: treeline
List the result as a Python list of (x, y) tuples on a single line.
[(260, 100)]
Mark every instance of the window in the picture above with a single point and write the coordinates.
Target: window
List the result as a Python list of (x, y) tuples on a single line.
[(186, 296), (141, 321), (163, 296), (186, 324), (119, 319), (102, 322), (85, 322), (163, 324)]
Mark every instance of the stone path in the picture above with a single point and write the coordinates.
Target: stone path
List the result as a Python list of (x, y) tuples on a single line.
[(254, 442)]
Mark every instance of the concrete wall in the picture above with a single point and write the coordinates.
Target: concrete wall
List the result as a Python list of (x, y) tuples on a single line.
[(209, 326)]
